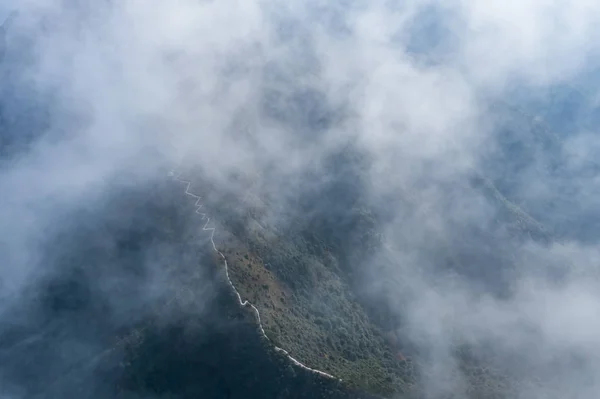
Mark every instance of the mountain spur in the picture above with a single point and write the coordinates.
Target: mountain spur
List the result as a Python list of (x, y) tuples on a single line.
[(243, 303)]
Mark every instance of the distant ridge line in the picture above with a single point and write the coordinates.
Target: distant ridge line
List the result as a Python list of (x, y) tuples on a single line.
[(243, 303)]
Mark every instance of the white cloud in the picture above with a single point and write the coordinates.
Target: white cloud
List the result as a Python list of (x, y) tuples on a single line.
[(137, 86)]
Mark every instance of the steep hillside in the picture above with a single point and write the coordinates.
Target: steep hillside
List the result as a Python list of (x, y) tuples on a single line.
[(304, 275)]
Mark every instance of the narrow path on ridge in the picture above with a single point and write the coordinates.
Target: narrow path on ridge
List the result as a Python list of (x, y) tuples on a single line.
[(242, 302)]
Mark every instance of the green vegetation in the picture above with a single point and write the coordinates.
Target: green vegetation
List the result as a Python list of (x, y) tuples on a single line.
[(302, 277), (309, 310)]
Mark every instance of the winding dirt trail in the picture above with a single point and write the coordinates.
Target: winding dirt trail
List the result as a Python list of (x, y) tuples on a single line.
[(242, 302)]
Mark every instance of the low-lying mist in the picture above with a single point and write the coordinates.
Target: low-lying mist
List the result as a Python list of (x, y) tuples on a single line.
[(447, 153)]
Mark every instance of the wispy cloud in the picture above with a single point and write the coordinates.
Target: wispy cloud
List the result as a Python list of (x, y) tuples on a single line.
[(101, 97)]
